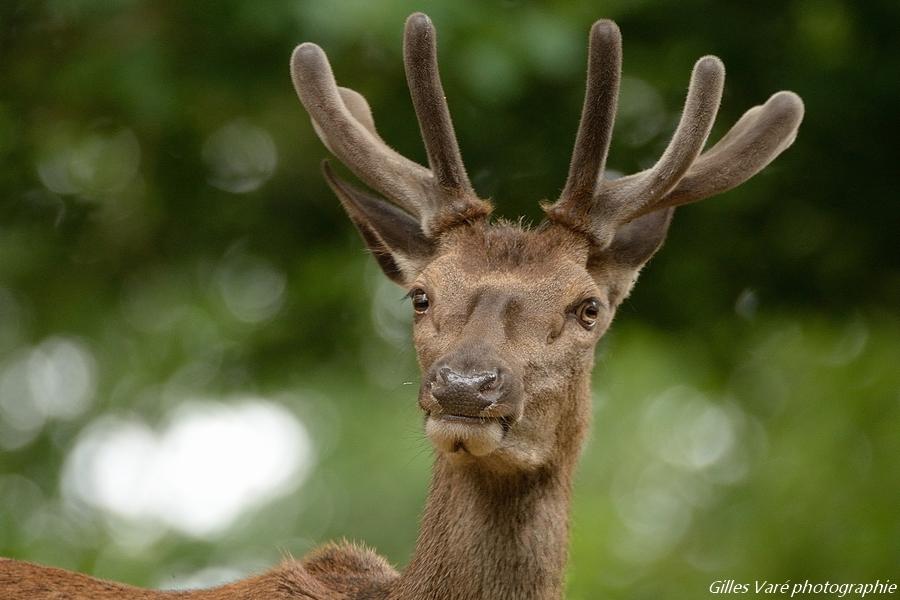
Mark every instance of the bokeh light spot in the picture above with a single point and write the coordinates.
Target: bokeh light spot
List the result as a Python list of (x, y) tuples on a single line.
[(53, 380), (251, 288), (241, 157), (200, 472), (92, 165)]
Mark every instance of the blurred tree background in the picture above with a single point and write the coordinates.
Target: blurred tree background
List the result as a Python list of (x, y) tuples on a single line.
[(201, 371)]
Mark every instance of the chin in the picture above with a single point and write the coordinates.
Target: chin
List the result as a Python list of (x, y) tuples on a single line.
[(462, 439), (485, 444)]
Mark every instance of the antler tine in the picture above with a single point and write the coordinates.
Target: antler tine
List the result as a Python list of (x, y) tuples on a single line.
[(622, 199), (759, 136), (354, 142), (359, 109), (597, 115), (616, 202), (423, 78)]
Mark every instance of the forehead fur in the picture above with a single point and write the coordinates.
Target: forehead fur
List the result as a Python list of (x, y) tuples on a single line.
[(507, 246)]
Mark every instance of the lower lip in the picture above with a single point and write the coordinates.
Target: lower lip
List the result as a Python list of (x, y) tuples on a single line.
[(505, 425), (463, 419)]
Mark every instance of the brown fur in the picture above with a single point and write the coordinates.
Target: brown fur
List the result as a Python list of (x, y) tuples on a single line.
[(333, 572), (495, 525)]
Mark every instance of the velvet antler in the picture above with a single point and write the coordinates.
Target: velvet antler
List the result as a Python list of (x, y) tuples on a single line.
[(599, 207), (438, 197)]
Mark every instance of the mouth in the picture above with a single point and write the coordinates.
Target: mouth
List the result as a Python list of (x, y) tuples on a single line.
[(462, 434), (503, 421)]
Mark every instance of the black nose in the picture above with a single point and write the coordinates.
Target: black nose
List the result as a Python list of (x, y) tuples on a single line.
[(466, 393)]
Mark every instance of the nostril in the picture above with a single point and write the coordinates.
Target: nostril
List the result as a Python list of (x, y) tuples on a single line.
[(444, 374), (489, 381)]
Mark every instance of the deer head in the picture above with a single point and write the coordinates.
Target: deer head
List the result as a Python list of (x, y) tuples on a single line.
[(507, 318)]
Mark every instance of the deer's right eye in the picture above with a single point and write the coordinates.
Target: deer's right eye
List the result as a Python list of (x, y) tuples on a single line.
[(419, 301)]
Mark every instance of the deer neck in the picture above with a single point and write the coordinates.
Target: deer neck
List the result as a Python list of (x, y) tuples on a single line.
[(491, 536)]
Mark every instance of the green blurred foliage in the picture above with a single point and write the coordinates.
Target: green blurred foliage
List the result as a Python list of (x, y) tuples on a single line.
[(164, 228)]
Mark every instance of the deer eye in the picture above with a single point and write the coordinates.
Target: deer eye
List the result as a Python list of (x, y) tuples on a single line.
[(419, 301), (588, 312)]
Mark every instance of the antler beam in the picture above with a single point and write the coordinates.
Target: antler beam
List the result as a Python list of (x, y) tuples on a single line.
[(599, 207), (439, 197)]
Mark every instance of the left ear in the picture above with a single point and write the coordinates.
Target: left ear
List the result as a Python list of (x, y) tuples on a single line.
[(394, 237), (633, 245)]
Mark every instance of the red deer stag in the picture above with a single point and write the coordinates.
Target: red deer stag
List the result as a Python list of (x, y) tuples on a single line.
[(506, 321)]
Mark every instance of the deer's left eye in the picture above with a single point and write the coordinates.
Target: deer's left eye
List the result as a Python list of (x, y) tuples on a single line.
[(588, 312)]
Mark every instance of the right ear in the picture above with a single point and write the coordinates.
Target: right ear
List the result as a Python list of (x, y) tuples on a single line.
[(394, 237)]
